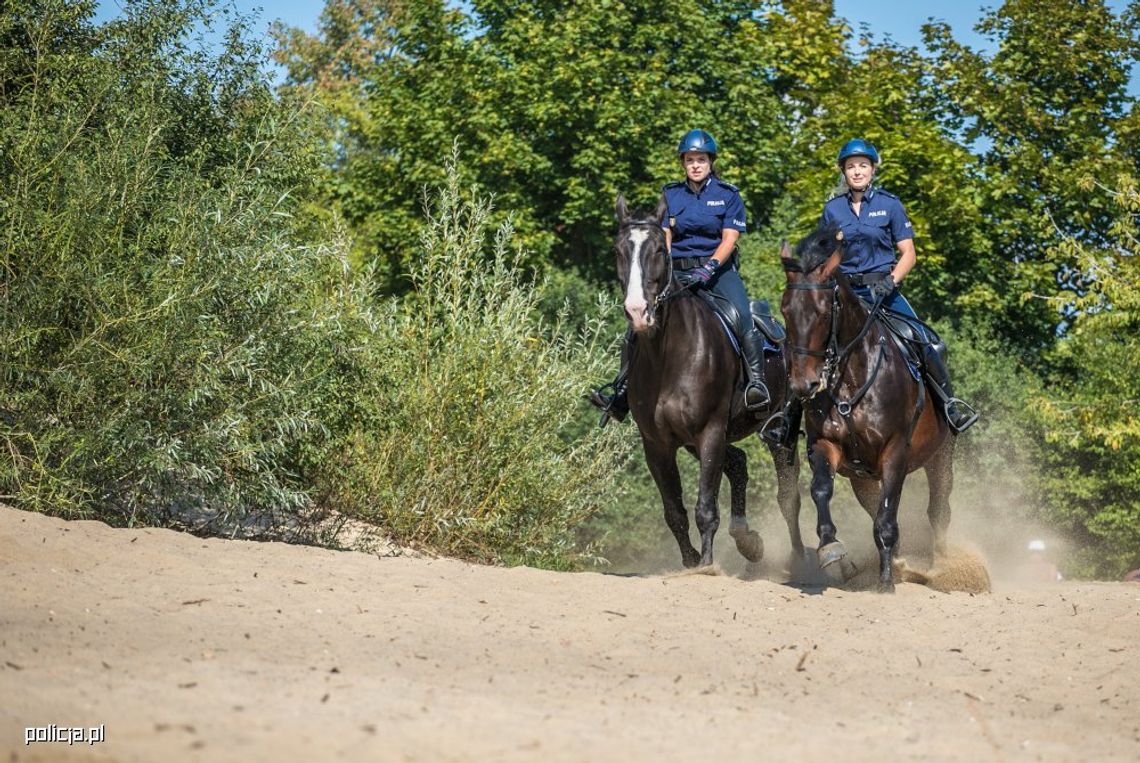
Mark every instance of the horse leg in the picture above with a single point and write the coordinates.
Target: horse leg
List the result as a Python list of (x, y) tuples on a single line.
[(867, 493), (788, 497), (940, 477), (748, 542), (711, 450), (824, 459), (893, 467), (662, 463)]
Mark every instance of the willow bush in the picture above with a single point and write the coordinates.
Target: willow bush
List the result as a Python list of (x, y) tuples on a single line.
[(164, 338), (182, 344), (475, 449)]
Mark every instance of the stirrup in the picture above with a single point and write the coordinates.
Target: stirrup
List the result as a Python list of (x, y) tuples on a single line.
[(605, 403), (774, 430), (761, 405), (971, 416), (600, 401)]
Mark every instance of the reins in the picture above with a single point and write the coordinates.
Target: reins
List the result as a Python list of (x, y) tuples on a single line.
[(832, 354), (835, 359)]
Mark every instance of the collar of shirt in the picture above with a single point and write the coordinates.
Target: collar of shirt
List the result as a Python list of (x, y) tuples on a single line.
[(704, 185), (867, 195)]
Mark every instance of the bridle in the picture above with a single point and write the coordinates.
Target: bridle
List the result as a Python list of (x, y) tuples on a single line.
[(833, 356)]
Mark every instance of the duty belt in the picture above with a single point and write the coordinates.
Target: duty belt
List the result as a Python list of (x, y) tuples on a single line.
[(688, 263), (866, 279)]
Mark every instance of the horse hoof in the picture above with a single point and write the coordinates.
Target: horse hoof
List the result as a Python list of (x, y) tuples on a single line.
[(834, 562), (831, 553), (886, 586), (748, 543)]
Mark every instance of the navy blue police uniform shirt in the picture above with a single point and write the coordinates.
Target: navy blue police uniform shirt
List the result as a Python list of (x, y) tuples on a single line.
[(873, 234), (698, 218)]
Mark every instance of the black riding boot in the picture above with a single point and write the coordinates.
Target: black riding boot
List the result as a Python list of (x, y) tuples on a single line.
[(959, 414), (756, 395), (783, 428), (616, 404)]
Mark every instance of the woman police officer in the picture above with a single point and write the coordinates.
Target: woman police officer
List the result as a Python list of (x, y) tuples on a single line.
[(705, 218), (874, 226)]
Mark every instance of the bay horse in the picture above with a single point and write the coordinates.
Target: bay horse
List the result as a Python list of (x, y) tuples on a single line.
[(685, 392), (867, 417)]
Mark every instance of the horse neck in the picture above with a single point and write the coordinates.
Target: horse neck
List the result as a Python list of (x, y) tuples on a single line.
[(853, 316), (669, 321)]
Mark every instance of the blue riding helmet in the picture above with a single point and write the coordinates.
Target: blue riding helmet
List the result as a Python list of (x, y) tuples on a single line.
[(858, 147), (697, 140)]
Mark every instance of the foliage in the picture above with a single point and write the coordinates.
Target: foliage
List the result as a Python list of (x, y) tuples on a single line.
[(193, 264), (1048, 108), (557, 107), (474, 449), (162, 335), (1090, 417)]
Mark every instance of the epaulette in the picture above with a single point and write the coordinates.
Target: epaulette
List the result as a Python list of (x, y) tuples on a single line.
[(677, 184), (886, 193), (727, 185)]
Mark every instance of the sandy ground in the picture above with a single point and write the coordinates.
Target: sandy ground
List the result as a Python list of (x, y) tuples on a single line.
[(185, 649)]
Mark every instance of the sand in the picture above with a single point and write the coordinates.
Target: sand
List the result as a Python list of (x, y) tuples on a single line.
[(184, 649)]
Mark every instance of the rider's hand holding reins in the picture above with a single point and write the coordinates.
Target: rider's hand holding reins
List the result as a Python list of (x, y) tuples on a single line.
[(880, 290), (687, 279)]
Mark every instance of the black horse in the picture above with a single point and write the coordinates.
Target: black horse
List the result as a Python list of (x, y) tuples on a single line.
[(866, 415), (685, 391)]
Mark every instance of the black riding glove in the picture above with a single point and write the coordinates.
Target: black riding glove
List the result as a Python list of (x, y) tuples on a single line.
[(687, 279), (880, 290)]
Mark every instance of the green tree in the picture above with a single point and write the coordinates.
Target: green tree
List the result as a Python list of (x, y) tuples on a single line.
[(881, 94), (1046, 110), (556, 107), (1093, 482)]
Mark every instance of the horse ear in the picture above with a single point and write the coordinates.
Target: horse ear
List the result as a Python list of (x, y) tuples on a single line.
[(662, 207), (621, 209), (830, 264), (785, 250)]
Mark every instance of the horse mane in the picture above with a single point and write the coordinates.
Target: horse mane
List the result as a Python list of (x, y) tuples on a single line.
[(814, 249)]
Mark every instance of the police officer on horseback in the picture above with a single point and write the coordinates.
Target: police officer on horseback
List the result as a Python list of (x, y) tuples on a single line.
[(875, 225), (704, 220)]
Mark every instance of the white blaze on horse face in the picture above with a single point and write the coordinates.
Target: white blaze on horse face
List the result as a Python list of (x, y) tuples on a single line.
[(635, 305)]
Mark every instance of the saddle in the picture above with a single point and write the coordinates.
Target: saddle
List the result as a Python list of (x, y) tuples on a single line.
[(770, 328), (911, 336)]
